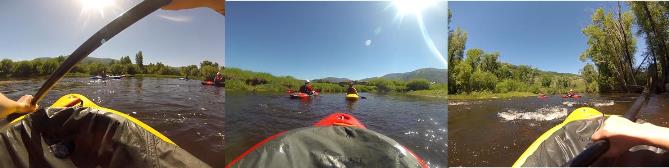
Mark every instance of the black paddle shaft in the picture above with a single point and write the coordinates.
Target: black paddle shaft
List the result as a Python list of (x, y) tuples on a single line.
[(598, 148), (103, 35)]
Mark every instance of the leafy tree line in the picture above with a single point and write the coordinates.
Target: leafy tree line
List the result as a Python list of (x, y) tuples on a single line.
[(238, 79), (475, 70), (46, 66)]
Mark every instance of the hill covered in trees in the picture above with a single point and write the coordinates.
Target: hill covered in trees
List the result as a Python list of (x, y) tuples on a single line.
[(429, 74), (44, 66)]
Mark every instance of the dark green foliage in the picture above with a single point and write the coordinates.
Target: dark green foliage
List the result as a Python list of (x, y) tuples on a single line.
[(418, 84), (101, 66), (238, 79)]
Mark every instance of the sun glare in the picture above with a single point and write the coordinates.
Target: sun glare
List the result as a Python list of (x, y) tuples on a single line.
[(95, 6), (413, 7), (416, 8)]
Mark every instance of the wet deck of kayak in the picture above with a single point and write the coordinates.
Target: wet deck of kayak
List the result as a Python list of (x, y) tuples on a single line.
[(496, 132), (185, 111), (417, 123)]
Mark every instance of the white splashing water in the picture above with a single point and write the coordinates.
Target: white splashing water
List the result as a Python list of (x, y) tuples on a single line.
[(457, 103), (542, 114), (600, 104), (569, 103)]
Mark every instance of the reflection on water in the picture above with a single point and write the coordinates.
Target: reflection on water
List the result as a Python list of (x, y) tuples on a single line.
[(496, 132), (417, 123), (185, 111)]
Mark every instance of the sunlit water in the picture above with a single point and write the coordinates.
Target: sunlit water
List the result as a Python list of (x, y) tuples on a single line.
[(417, 123), (187, 112), (496, 132)]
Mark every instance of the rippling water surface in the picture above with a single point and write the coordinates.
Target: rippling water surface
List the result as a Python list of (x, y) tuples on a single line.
[(417, 123), (185, 111)]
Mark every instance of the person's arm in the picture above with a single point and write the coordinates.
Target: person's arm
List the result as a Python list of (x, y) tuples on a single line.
[(217, 5), (624, 134), (8, 106)]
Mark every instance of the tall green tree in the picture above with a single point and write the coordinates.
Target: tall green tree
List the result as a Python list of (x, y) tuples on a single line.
[(651, 18), (125, 60), (6, 66), (208, 63), (611, 46), (139, 60), (456, 50)]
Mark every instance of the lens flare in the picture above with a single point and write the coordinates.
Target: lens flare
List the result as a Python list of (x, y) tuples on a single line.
[(95, 5), (413, 7), (416, 8)]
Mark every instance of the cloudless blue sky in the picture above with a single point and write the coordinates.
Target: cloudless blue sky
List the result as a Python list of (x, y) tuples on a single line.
[(310, 40), (546, 35), (47, 28)]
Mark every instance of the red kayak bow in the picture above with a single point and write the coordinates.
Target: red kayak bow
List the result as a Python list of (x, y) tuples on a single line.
[(336, 119)]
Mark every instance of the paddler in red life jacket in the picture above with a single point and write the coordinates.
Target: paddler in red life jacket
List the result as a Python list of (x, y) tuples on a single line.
[(218, 78), (351, 89), (307, 88), (570, 93)]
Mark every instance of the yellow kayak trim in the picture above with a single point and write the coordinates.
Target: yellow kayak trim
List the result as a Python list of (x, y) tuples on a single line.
[(63, 101), (352, 96), (582, 113)]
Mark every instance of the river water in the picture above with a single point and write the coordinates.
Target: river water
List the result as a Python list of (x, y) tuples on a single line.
[(417, 123), (496, 132), (187, 112)]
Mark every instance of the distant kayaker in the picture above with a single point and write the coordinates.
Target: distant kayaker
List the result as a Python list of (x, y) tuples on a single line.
[(218, 78), (307, 88), (351, 89), (570, 93), (8, 106), (624, 134)]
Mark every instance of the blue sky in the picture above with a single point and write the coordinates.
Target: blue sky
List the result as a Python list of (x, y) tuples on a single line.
[(47, 28), (310, 40), (546, 35)]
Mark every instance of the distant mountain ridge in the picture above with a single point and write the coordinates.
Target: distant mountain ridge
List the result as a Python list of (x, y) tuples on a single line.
[(332, 80), (430, 74)]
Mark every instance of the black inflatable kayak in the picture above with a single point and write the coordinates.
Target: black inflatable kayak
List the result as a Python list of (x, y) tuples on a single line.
[(561, 144), (75, 132)]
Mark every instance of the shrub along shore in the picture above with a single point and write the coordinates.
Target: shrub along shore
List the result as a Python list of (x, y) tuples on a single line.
[(244, 80)]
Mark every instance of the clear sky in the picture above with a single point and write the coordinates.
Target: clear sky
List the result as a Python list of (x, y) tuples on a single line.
[(48, 28), (546, 35), (310, 40)]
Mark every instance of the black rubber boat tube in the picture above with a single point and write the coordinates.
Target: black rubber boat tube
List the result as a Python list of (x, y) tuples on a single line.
[(598, 148)]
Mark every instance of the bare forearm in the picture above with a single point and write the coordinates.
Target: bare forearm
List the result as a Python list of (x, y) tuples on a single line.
[(655, 135), (7, 105)]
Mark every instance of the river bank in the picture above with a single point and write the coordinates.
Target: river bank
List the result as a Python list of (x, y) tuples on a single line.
[(489, 95)]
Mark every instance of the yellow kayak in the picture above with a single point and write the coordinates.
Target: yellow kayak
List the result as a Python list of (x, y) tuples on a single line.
[(352, 97), (76, 132)]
